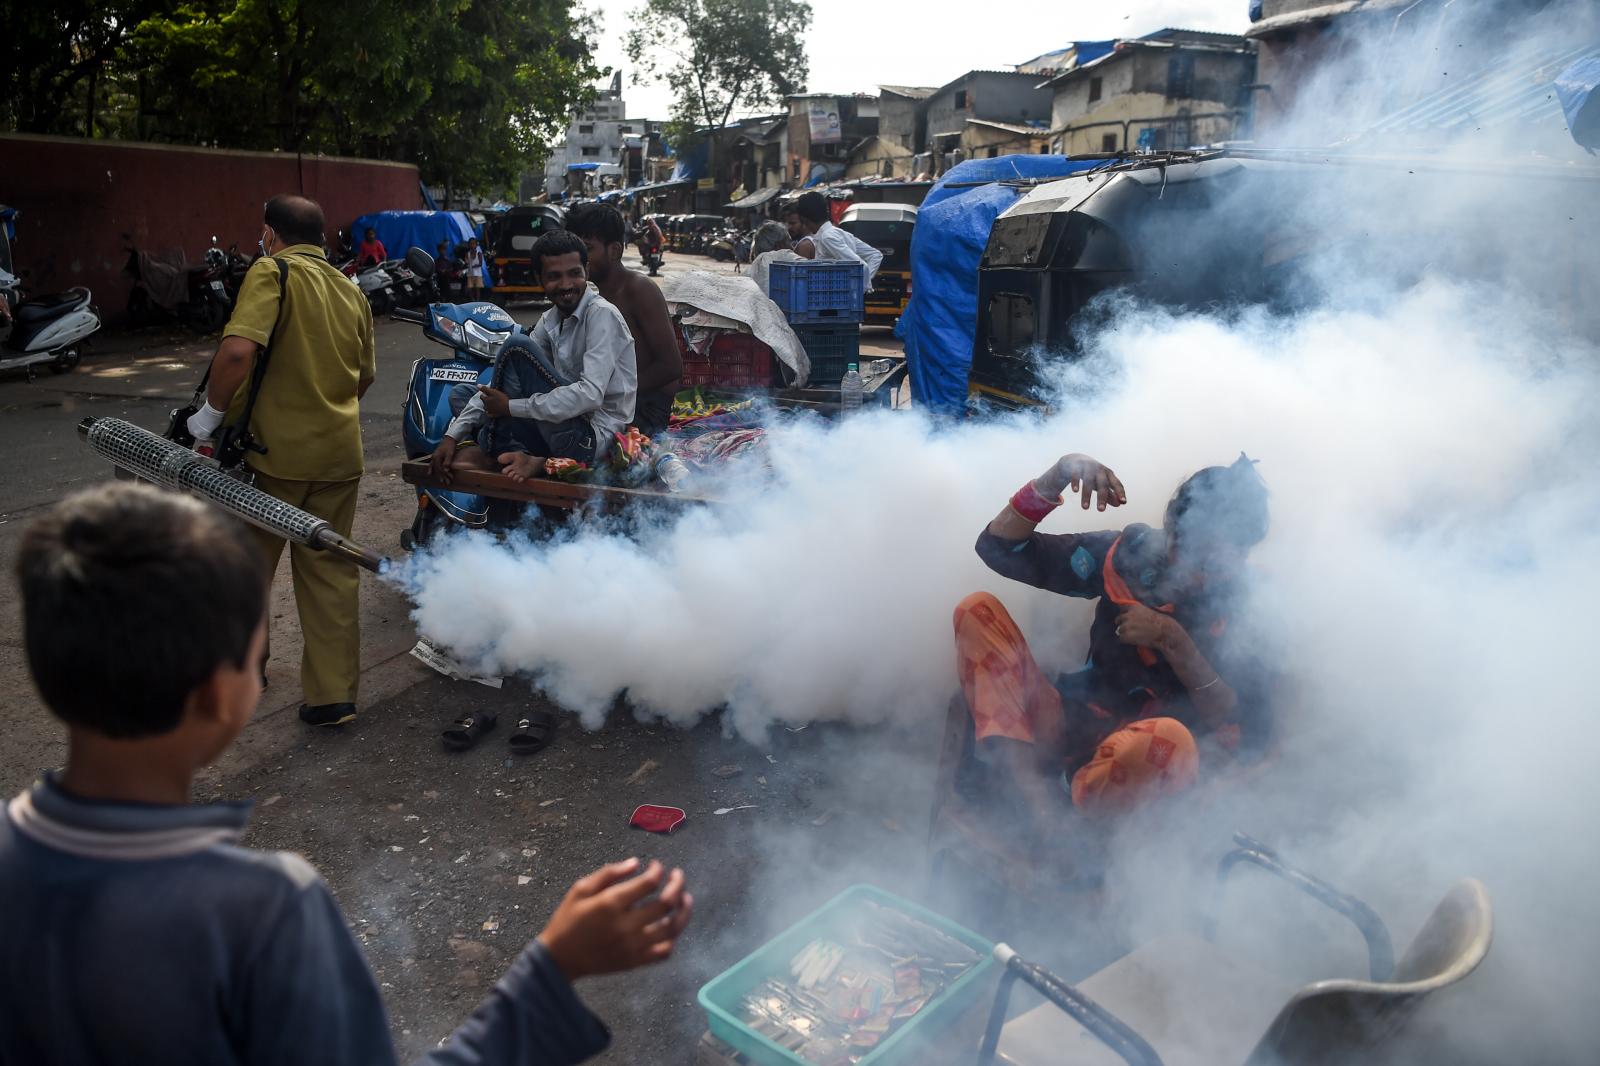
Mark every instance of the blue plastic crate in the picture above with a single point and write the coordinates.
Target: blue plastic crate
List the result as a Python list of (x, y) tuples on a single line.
[(720, 996), (821, 292), (830, 349)]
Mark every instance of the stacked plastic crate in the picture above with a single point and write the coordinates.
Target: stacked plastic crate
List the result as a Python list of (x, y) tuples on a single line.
[(822, 299)]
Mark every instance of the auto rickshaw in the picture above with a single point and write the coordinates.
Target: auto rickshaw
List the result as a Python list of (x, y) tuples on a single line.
[(887, 227), (514, 233), (672, 227)]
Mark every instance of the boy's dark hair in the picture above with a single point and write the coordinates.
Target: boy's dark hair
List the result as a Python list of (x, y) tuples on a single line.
[(599, 222), (812, 207), (296, 219), (1220, 504), (131, 598), (557, 242)]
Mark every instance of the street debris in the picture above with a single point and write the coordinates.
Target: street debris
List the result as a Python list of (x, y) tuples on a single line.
[(548, 802), (491, 926), (427, 652), (730, 770), (823, 819), (523, 879), (730, 810), (644, 771), (657, 819)]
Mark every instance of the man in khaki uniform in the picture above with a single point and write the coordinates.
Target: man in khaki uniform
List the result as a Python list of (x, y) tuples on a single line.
[(307, 416)]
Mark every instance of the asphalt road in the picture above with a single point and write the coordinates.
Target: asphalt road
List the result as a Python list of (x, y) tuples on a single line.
[(447, 864)]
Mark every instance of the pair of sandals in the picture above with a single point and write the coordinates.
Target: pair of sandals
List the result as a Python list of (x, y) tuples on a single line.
[(533, 733)]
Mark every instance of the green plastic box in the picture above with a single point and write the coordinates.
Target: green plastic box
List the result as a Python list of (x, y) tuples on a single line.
[(720, 996)]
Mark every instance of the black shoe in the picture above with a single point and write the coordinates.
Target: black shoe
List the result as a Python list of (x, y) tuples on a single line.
[(328, 714)]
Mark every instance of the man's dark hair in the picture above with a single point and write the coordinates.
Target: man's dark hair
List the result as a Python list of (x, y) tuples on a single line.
[(131, 598), (557, 242), (296, 219), (812, 206), (1220, 504), (598, 222)]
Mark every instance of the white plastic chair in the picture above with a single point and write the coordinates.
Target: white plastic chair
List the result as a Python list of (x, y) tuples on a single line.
[(1181, 1001)]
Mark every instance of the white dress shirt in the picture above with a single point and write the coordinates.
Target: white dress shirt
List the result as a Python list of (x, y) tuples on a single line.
[(594, 350), (831, 242)]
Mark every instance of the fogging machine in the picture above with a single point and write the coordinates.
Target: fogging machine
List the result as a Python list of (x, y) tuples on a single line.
[(155, 459)]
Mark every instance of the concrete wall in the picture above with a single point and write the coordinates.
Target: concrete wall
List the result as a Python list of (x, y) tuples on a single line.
[(77, 198), (1134, 87), (1071, 100), (897, 120), (986, 142), (994, 95)]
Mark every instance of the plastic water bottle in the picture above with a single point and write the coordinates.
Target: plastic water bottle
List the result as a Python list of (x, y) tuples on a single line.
[(851, 390), (672, 471)]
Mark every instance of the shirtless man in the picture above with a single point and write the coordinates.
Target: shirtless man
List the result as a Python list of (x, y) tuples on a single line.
[(655, 342)]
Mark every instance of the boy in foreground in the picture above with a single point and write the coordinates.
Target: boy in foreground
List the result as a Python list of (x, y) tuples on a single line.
[(135, 929)]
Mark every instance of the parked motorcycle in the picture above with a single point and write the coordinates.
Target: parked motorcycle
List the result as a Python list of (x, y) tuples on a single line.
[(167, 288), (375, 283), (409, 289), (50, 331), (437, 391)]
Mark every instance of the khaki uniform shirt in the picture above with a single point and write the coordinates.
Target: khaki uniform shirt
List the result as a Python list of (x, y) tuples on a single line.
[(308, 415)]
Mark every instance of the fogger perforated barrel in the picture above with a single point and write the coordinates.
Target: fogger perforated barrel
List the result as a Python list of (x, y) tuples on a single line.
[(156, 459)]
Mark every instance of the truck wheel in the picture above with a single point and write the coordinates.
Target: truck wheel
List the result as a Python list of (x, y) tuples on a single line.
[(65, 360)]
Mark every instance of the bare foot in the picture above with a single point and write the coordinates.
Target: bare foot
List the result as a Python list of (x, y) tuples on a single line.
[(520, 466)]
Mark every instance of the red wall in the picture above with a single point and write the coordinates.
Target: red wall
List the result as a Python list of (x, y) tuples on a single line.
[(77, 199)]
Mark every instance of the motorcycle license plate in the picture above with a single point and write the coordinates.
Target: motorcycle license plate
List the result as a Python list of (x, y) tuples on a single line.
[(453, 373)]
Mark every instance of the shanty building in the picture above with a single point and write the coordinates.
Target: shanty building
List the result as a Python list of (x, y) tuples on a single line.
[(1169, 89)]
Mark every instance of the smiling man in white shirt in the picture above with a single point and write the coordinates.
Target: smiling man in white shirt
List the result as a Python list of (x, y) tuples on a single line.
[(816, 237), (559, 392)]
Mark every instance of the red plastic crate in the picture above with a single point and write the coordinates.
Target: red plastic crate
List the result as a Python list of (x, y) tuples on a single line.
[(736, 361)]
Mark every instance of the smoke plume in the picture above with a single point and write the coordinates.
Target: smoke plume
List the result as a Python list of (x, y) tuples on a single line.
[(1425, 418)]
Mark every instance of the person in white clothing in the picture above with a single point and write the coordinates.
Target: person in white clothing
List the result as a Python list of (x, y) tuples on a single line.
[(815, 237)]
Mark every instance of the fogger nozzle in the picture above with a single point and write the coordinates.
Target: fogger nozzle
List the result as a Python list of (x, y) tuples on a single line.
[(158, 460)]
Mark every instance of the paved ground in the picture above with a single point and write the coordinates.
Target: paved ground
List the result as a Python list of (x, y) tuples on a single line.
[(444, 864)]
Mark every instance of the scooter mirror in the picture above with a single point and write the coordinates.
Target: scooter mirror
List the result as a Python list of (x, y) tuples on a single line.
[(420, 262)]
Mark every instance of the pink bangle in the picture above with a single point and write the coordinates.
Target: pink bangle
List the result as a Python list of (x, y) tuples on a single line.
[(1031, 504)]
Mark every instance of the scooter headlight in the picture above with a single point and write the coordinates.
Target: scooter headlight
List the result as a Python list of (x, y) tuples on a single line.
[(484, 341), (449, 327)]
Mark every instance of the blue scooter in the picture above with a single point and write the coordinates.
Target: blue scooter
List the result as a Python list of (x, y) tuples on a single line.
[(474, 332)]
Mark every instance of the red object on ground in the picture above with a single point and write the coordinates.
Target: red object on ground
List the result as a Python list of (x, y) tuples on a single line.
[(654, 819)]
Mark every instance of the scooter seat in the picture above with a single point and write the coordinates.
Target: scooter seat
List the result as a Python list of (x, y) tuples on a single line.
[(44, 308)]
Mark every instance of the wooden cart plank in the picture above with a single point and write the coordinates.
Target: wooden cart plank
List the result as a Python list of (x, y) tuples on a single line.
[(542, 491)]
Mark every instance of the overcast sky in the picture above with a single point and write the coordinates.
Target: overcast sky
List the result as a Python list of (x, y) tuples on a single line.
[(856, 45)]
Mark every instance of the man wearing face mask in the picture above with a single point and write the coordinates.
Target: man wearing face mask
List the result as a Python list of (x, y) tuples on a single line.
[(318, 342)]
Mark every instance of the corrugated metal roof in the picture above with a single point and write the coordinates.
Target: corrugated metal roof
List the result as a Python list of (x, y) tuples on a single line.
[(1011, 127), (910, 92), (1519, 89)]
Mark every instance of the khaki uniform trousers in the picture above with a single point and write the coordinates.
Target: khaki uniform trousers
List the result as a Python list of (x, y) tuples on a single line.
[(327, 589)]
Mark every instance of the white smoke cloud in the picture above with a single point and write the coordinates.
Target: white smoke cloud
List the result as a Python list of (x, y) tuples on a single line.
[(1427, 433)]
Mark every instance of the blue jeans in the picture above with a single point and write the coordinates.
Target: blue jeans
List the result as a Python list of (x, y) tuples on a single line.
[(521, 370)]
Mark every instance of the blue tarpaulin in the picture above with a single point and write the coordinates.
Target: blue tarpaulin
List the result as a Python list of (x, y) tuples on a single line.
[(952, 230), (693, 162), (400, 231), (1575, 88)]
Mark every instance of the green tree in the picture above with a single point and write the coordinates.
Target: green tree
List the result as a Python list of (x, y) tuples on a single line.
[(721, 56), (54, 58), (472, 91)]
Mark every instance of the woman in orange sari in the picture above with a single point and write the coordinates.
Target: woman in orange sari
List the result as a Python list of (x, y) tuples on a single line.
[(1164, 689)]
